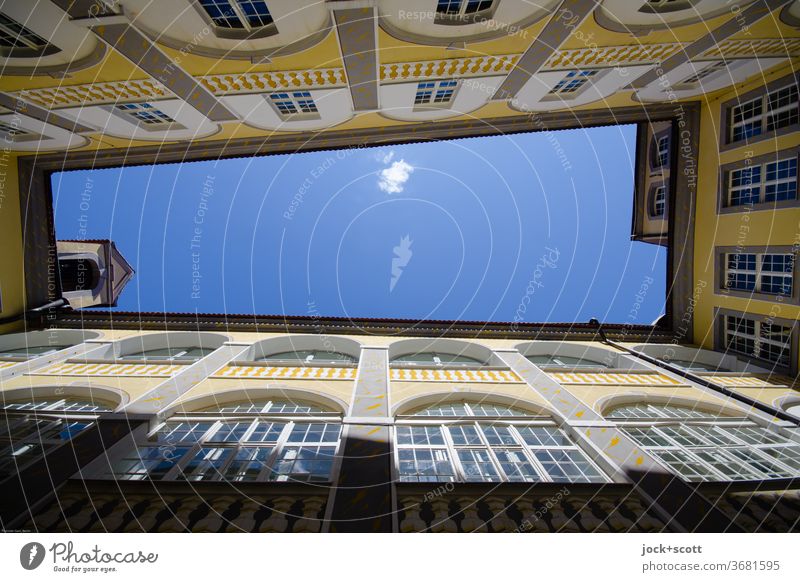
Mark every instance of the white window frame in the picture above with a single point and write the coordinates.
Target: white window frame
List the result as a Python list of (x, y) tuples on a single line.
[(697, 77), (723, 446), (127, 111), (247, 30), (434, 100), (478, 423), (32, 47), (757, 340), (462, 16), (766, 113), (762, 181), (12, 447), (298, 99), (205, 440), (758, 273), (562, 89)]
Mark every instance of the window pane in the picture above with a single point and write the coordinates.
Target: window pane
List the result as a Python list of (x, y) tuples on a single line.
[(516, 466), (248, 463), (477, 465), (464, 435), (498, 435), (544, 436), (419, 435), (306, 463), (425, 465)]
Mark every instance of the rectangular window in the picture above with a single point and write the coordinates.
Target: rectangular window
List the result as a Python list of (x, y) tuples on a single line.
[(144, 113), (659, 201), (237, 451), (462, 7), (770, 112), (662, 151), (698, 76), (572, 82), (769, 273), (760, 183), (25, 438), (238, 14), (720, 453), (759, 339), (494, 452), (12, 130), (18, 41), (294, 104), (438, 93)]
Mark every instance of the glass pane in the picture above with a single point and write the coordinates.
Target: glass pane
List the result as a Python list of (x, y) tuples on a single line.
[(419, 435), (498, 435), (248, 463), (315, 433), (425, 465), (306, 463), (477, 465), (516, 466), (544, 436), (464, 435)]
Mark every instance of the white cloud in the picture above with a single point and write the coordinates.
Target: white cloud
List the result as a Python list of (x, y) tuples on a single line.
[(385, 157), (392, 178)]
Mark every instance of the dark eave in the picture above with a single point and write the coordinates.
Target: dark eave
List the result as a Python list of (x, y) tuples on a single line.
[(89, 319)]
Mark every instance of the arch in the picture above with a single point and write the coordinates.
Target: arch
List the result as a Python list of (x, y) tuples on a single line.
[(275, 391), (607, 404), (721, 362), (293, 343), (412, 403), (69, 47), (789, 403), (114, 397), (56, 338), (415, 21), (172, 339), (603, 356), (446, 346), (636, 16), (185, 26)]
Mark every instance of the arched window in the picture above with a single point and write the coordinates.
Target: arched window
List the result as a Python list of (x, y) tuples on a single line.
[(171, 354), (30, 427), (565, 362), (238, 18), (29, 352), (437, 359), (696, 366), (17, 41), (490, 443), (269, 440), (310, 356), (729, 449)]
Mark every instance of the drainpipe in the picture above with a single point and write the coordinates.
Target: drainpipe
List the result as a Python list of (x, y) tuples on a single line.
[(752, 403), (36, 311)]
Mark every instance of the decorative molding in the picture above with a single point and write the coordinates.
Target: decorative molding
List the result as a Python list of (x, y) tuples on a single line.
[(607, 56), (97, 93), (755, 381), (286, 373), (757, 47), (626, 379), (274, 81), (478, 66), (111, 369), (433, 375)]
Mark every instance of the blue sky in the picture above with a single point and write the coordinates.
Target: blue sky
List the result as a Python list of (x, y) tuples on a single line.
[(529, 227)]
